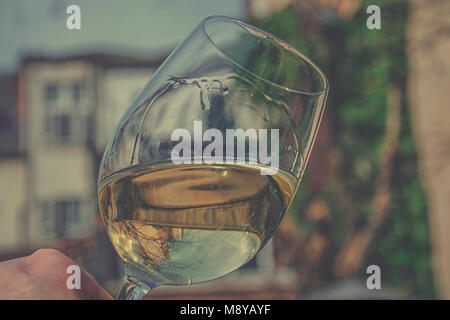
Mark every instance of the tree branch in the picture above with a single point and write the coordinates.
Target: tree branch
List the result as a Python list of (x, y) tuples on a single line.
[(351, 256)]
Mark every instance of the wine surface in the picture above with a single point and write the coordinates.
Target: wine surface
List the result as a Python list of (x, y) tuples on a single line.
[(187, 224)]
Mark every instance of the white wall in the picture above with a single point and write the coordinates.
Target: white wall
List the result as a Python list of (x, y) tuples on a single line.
[(12, 203), (58, 171), (117, 89)]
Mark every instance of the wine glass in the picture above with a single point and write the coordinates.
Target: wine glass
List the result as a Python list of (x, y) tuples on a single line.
[(207, 159)]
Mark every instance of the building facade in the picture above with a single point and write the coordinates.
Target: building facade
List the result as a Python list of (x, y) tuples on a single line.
[(64, 112)]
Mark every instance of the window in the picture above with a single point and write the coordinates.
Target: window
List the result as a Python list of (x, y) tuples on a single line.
[(66, 112), (77, 89), (61, 218), (51, 93)]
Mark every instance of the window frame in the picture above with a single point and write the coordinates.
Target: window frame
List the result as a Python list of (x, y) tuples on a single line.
[(64, 111)]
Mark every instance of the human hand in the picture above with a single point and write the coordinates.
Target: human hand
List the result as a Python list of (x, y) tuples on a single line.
[(42, 276)]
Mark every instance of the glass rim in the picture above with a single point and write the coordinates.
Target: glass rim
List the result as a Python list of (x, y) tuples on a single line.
[(281, 43)]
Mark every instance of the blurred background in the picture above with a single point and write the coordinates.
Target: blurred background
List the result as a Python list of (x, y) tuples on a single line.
[(377, 187)]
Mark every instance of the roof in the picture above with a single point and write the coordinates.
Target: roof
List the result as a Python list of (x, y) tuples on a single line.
[(103, 60)]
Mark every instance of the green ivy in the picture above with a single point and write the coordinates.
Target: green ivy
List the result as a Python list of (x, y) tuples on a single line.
[(361, 65)]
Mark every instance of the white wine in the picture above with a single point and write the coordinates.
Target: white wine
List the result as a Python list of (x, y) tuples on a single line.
[(192, 223)]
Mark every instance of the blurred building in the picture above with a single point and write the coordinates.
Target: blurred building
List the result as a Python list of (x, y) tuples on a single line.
[(56, 115), (260, 9), (12, 170), (315, 9)]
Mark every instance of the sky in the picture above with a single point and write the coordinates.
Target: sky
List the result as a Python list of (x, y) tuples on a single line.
[(136, 27)]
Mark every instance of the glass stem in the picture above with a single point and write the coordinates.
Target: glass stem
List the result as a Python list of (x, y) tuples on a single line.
[(136, 284), (131, 291)]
